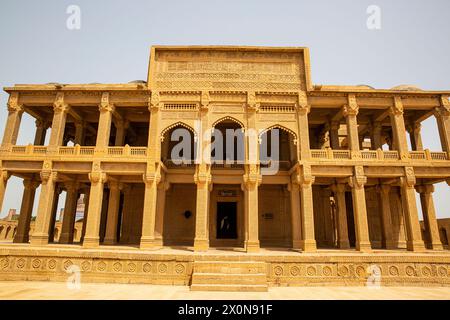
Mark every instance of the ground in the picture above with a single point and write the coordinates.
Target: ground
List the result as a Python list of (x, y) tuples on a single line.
[(59, 290)]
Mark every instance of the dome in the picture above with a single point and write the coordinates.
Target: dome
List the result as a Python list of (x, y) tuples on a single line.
[(406, 87), (138, 81), (365, 86)]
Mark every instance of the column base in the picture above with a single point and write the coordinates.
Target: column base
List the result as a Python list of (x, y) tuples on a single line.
[(344, 244), (252, 246), (308, 245), (65, 239), (39, 239), (297, 245), (148, 243), (390, 245), (363, 246), (19, 238), (416, 246), (201, 245), (437, 246), (109, 241), (91, 242)]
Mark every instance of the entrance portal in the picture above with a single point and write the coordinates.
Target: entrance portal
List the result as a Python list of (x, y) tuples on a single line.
[(226, 220)]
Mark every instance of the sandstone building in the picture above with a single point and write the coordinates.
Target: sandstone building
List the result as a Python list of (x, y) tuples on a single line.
[(350, 163)]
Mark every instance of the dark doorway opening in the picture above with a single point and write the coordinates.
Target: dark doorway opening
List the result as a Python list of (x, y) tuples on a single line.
[(226, 220)]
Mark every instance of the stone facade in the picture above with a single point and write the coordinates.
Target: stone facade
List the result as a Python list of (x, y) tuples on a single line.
[(346, 177)]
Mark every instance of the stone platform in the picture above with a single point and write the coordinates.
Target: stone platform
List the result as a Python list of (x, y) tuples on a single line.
[(223, 269)]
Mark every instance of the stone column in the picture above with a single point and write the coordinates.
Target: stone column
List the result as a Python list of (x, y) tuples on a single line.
[(341, 214), (51, 229), (151, 180), (359, 210), (252, 180), (104, 124), (40, 235), (386, 221), (41, 131), (442, 115), (398, 128), (376, 136), (160, 208), (12, 126), (85, 214), (60, 109), (154, 143), (112, 219), (295, 214), (203, 182), (414, 237), (79, 132), (415, 136), (92, 236), (26, 209), (121, 127), (350, 111), (303, 109), (70, 210), (306, 181), (4, 176), (334, 135), (429, 216)]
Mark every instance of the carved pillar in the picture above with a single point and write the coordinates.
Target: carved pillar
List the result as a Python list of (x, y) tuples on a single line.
[(85, 213), (12, 126), (303, 109), (121, 127), (414, 238), (376, 136), (252, 180), (386, 221), (60, 109), (26, 209), (341, 210), (70, 210), (160, 208), (442, 115), (429, 216), (154, 141), (415, 136), (4, 176), (41, 131), (334, 135), (398, 128), (92, 236), (359, 210), (151, 180), (306, 181), (350, 111), (42, 226), (79, 132), (106, 109), (112, 219), (202, 179), (296, 221)]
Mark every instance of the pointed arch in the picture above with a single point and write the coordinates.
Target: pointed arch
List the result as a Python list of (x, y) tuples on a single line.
[(278, 126), (229, 119), (177, 124)]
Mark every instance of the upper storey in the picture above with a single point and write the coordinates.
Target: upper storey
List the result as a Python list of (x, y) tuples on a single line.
[(227, 68)]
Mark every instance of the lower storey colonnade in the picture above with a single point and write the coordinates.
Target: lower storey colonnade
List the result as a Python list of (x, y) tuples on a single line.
[(248, 212)]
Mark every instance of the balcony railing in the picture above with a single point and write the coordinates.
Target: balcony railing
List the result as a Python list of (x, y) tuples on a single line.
[(329, 154), (76, 150)]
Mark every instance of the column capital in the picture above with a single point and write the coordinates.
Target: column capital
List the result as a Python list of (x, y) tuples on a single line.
[(13, 103), (59, 105), (4, 175), (42, 123), (30, 184), (384, 189), (48, 176), (359, 179), (151, 177), (409, 180), (444, 108), (252, 103), (397, 107), (97, 177), (154, 102), (205, 100), (302, 105), (425, 188)]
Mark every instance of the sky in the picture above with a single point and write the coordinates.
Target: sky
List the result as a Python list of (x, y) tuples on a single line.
[(113, 42)]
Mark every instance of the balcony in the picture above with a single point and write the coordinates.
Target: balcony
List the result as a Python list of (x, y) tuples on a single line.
[(373, 155), (126, 151)]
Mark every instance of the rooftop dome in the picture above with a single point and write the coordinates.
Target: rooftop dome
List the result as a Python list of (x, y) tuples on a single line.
[(365, 86), (138, 81), (406, 87)]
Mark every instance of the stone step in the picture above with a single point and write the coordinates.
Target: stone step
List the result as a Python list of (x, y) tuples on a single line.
[(235, 267), (229, 287), (229, 278)]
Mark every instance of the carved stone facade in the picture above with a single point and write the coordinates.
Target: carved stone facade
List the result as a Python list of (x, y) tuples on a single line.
[(344, 177)]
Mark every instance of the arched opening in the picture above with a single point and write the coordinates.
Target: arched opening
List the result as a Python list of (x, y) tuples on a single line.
[(227, 143), (178, 146), (278, 146)]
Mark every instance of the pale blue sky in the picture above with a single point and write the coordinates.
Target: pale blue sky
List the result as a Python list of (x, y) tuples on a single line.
[(113, 44)]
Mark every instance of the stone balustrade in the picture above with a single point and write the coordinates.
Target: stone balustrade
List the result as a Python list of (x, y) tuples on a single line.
[(425, 155)]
